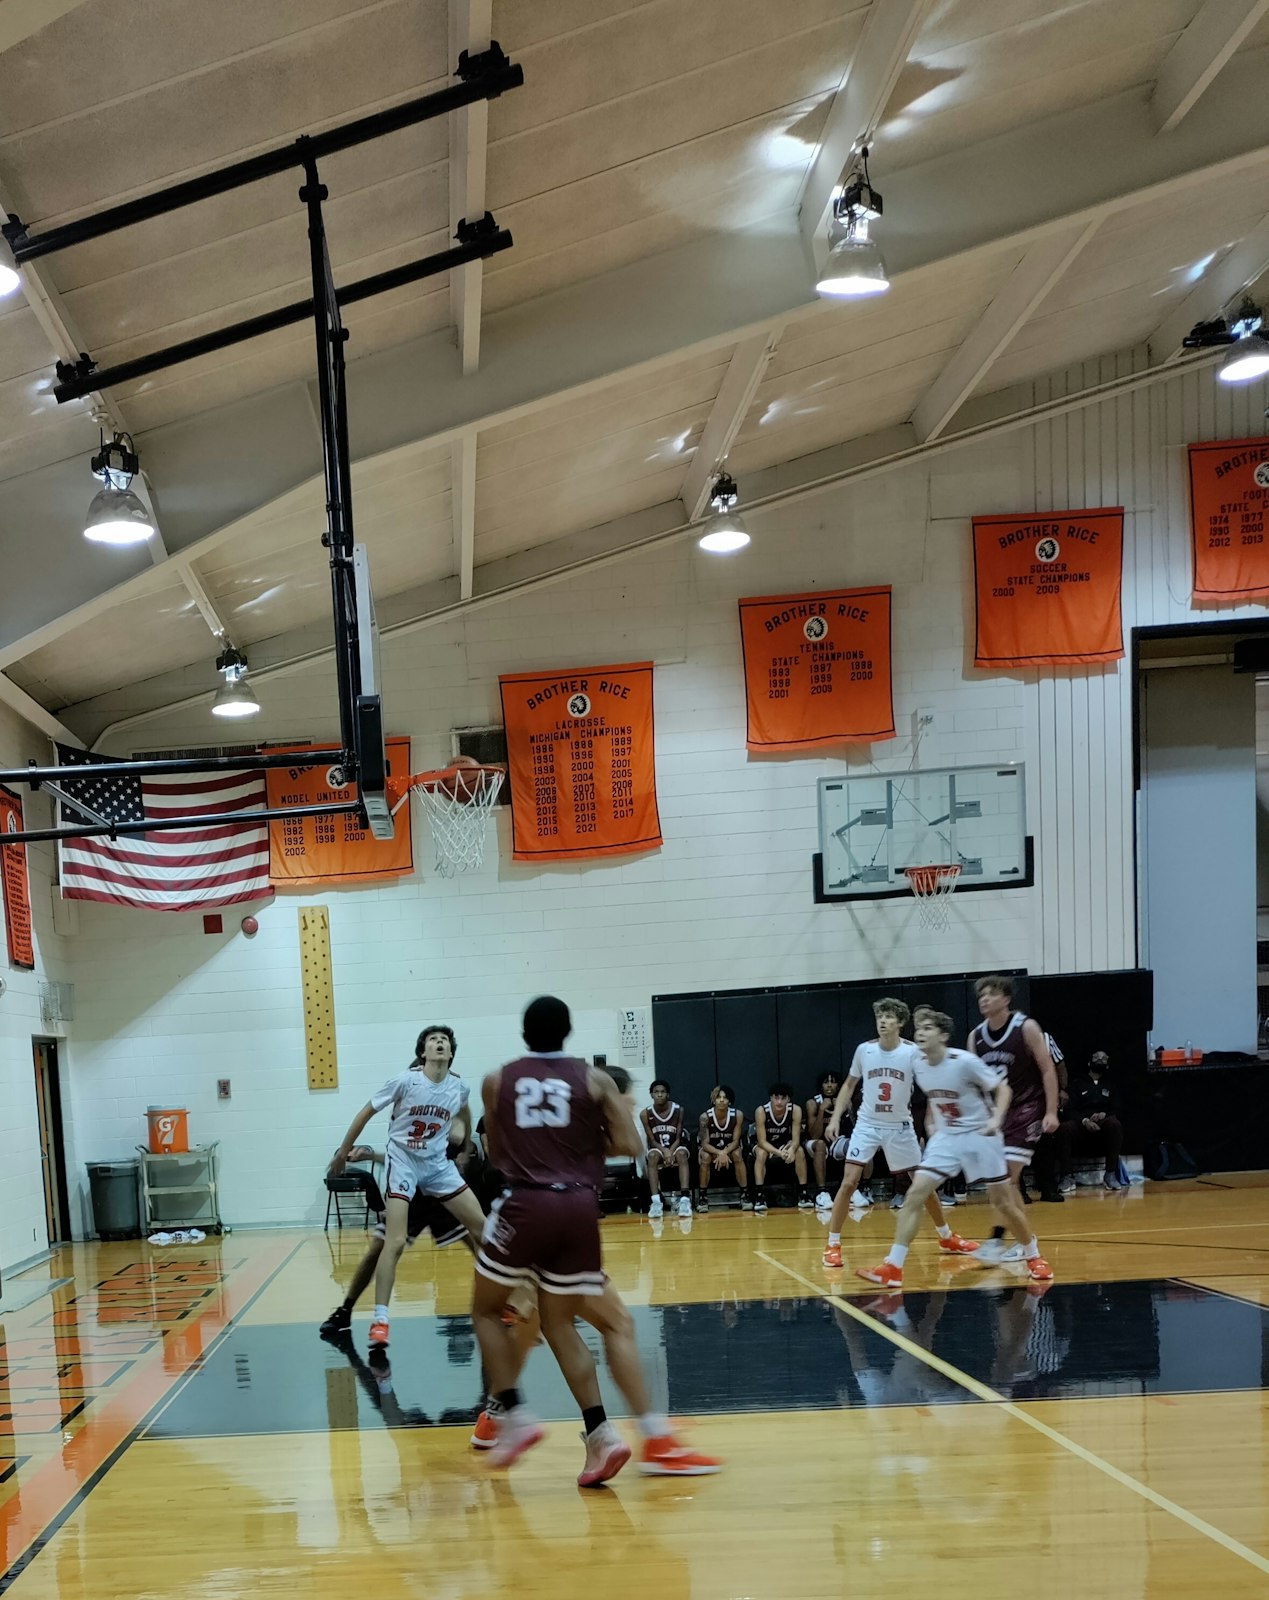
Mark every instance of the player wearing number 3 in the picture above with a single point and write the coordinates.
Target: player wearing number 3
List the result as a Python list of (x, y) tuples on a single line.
[(425, 1100)]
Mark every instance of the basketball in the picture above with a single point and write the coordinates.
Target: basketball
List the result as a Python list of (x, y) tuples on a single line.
[(456, 786)]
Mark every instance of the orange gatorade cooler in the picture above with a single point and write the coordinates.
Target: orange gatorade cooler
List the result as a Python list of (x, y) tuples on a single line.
[(169, 1130)]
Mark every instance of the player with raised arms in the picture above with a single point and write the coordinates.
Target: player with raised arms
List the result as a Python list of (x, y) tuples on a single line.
[(886, 1066), (966, 1104)]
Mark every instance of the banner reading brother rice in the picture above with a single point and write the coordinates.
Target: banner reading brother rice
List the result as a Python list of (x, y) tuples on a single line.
[(1048, 588), (581, 762), (817, 668), (1229, 499)]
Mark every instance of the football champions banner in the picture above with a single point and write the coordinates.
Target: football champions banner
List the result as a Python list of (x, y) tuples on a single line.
[(817, 668), (17, 889), (1048, 588), (335, 849), (1229, 496), (581, 762)]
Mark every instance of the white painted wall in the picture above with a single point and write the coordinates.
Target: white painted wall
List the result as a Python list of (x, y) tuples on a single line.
[(23, 1230), (164, 1010)]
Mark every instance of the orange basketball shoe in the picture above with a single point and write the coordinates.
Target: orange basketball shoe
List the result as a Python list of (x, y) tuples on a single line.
[(667, 1458), (379, 1333), (887, 1275), (1039, 1269), (956, 1246), (832, 1255), (484, 1435)]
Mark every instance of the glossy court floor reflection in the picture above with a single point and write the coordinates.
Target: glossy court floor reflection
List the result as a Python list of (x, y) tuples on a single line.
[(172, 1424)]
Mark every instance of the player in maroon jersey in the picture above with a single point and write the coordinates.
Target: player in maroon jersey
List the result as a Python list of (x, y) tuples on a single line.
[(1015, 1045), (663, 1129), (550, 1121)]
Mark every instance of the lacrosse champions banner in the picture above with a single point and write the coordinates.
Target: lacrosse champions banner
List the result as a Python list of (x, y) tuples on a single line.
[(1047, 588), (1229, 496), (581, 762), (334, 849), (817, 668)]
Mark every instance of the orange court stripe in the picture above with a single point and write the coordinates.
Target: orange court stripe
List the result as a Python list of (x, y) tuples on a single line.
[(27, 1518)]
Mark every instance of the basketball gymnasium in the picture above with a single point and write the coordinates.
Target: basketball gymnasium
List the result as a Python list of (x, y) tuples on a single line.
[(723, 514)]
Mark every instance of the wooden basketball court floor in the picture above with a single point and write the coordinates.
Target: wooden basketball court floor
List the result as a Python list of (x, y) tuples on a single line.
[(171, 1423)]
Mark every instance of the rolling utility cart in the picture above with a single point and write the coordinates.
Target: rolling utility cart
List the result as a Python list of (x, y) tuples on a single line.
[(180, 1190)]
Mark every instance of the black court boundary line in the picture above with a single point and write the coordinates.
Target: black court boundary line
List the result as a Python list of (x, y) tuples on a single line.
[(1224, 1294), (39, 1545), (1151, 1244), (1210, 1183)]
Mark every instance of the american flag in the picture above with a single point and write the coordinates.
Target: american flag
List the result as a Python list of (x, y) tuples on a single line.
[(186, 869)]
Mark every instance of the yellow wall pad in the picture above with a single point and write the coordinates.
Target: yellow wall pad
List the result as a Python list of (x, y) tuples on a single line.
[(319, 998), (981, 1391)]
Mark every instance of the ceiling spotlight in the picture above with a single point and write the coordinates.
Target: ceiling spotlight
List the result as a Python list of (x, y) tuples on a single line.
[(116, 515), (1248, 348), (235, 697), (855, 267), (10, 282), (725, 531), (1247, 359)]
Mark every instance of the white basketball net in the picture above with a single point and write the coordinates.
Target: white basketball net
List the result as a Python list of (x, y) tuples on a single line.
[(933, 888), (458, 808)]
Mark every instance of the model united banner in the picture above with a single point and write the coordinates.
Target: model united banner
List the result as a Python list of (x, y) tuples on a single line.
[(17, 889), (335, 849), (817, 668), (581, 762), (1047, 588), (1229, 496)]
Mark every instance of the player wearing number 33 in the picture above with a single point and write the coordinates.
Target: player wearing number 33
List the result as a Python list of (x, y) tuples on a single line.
[(425, 1099)]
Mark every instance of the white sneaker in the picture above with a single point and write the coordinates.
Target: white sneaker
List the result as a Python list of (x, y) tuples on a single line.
[(948, 1200), (606, 1453), (1067, 1186), (656, 1209), (685, 1206), (518, 1430), (896, 1202), (823, 1201), (991, 1251), (861, 1197), (1014, 1252)]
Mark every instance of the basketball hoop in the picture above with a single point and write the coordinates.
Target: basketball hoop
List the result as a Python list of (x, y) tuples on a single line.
[(933, 888), (458, 800)]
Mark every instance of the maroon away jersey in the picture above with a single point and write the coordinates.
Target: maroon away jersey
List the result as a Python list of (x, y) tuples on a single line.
[(551, 1128), (1009, 1052)]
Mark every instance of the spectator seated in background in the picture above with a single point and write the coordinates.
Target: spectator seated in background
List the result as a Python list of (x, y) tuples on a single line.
[(1047, 1163), (363, 1177), (721, 1145), (1090, 1122)]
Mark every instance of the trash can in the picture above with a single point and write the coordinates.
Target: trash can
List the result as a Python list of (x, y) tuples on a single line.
[(116, 1207)]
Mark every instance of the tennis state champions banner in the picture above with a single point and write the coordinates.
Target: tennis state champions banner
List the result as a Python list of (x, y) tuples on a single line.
[(335, 849), (1229, 496), (17, 889), (1048, 588), (581, 763), (817, 668)]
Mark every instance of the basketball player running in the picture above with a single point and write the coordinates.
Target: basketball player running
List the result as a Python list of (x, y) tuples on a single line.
[(722, 1130), (887, 1067), (663, 1130), (967, 1102), (778, 1135), (550, 1121), (1014, 1045), (815, 1115), (425, 1099)]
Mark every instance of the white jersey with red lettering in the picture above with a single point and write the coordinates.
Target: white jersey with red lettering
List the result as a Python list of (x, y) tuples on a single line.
[(886, 1076), (960, 1091)]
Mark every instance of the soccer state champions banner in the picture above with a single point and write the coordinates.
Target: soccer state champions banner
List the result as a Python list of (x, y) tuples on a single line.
[(817, 668), (1048, 588), (1229, 497), (581, 762), (334, 849), (17, 889)]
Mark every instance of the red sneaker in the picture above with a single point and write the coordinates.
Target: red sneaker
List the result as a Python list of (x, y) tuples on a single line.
[(1039, 1269), (887, 1275), (832, 1255), (667, 1458), (379, 1334), (956, 1246), (484, 1435)]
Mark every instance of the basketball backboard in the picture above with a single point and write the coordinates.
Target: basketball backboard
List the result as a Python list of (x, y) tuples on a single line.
[(874, 826)]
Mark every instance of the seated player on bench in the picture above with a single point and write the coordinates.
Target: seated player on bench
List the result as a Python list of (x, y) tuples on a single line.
[(722, 1144)]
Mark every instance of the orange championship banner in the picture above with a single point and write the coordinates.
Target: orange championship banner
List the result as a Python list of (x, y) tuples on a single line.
[(817, 668), (581, 762), (1229, 497), (334, 849), (1047, 588), (17, 888)]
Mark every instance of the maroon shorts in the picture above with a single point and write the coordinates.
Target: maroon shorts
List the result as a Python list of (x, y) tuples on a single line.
[(1023, 1127), (549, 1237)]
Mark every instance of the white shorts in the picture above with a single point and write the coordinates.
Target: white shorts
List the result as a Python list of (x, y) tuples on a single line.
[(406, 1174), (977, 1155), (898, 1140)]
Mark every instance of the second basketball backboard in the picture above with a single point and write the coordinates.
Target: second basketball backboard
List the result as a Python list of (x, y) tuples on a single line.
[(874, 826)]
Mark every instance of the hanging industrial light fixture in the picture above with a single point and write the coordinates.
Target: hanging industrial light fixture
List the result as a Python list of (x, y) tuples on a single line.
[(10, 282), (855, 267), (116, 515), (235, 697), (725, 531), (1247, 357)]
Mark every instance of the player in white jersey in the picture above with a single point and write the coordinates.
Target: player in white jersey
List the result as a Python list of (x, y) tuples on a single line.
[(425, 1099), (966, 1105), (886, 1067)]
